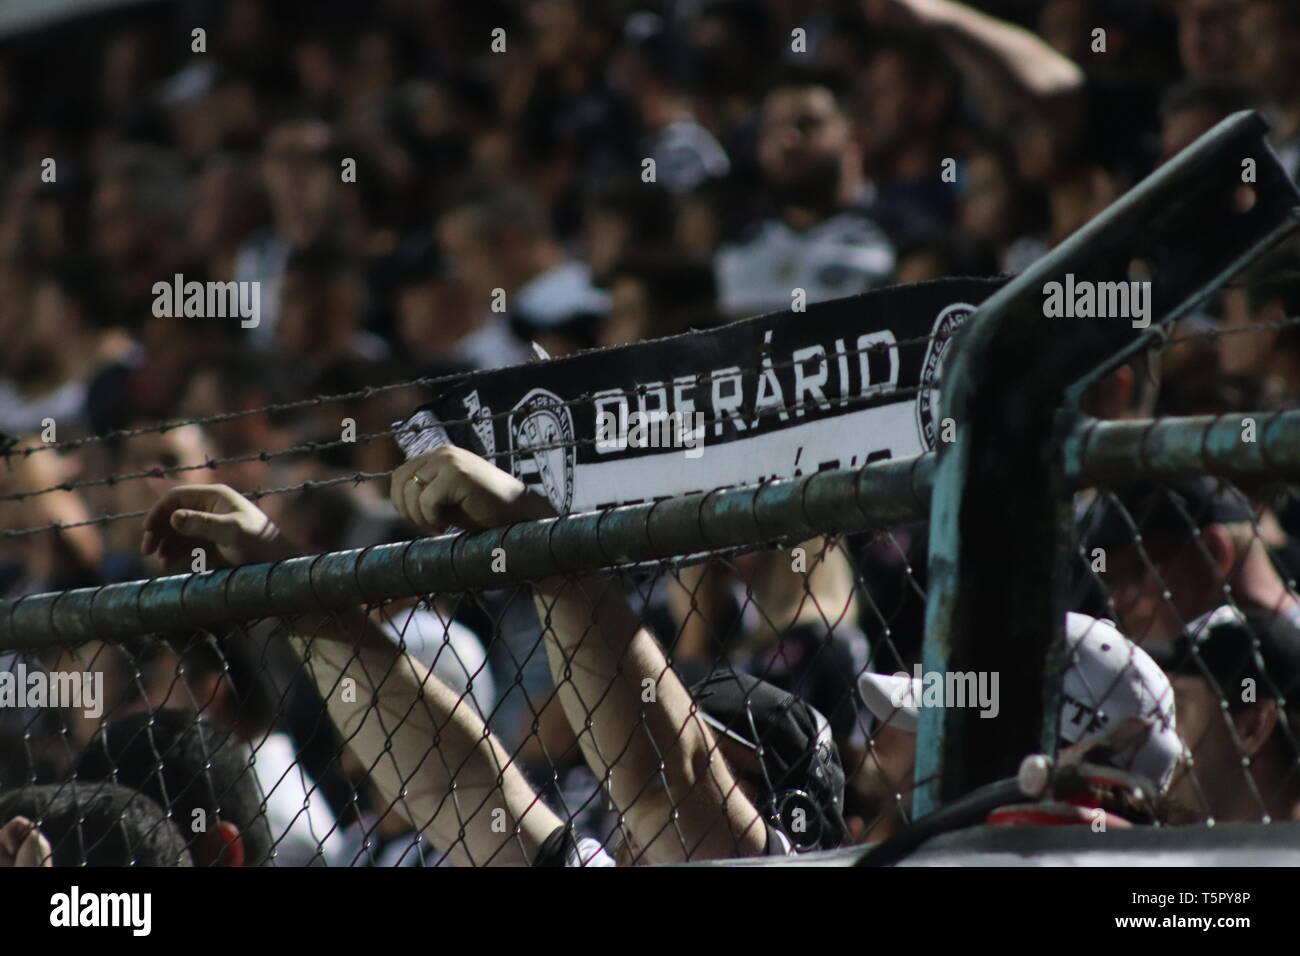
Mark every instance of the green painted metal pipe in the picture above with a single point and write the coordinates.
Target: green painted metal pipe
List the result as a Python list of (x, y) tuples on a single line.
[(1239, 445), (878, 495), (1000, 521), (881, 494)]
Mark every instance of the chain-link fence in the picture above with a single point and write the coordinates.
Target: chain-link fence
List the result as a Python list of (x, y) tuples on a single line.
[(462, 699), (426, 700), (1201, 576), (830, 656)]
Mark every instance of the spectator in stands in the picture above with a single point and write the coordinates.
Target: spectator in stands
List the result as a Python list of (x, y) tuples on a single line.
[(70, 340), (1245, 755), (321, 298), (70, 557), (175, 456), (497, 240), (414, 708), (652, 69), (99, 825), (1269, 32), (1260, 343), (1108, 678), (1193, 108), (802, 635), (816, 236), (995, 207), (909, 118), (654, 294), (229, 386), (260, 732), (202, 775), (1198, 537), (1209, 36), (246, 686), (227, 208), (621, 217), (139, 204), (912, 89), (435, 309), (150, 384), (710, 809), (302, 176)]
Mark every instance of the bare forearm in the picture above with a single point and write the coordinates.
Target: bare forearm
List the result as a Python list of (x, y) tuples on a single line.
[(426, 749), (635, 726), (1003, 51), (695, 597)]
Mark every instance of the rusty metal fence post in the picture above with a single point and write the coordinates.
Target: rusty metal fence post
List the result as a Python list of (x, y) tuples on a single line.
[(1000, 518)]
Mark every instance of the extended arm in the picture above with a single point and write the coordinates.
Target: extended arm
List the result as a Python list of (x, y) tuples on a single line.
[(630, 712), (424, 746), (427, 750), (1006, 65)]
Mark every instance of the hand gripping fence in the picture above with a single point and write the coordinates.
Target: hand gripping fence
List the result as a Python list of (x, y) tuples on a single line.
[(261, 714)]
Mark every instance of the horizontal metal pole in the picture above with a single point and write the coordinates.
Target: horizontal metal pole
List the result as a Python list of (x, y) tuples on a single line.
[(1100, 452), (878, 495), (1181, 232), (884, 493)]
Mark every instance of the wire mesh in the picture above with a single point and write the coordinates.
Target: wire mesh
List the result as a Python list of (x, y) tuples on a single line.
[(411, 720), (455, 724), (451, 712), (1185, 540)]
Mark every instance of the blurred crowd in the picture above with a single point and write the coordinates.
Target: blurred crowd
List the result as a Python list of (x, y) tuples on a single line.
[(423, 187)]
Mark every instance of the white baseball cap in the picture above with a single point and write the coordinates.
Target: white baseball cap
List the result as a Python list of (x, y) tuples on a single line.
[(1108, 679)]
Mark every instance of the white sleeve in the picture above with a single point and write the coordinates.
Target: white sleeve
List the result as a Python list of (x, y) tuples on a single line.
[(588, 852)]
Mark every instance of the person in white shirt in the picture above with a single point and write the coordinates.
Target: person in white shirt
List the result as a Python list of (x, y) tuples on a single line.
[(498, 242), (304, 829), (817, 238), (650, 68), (449, 649)]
